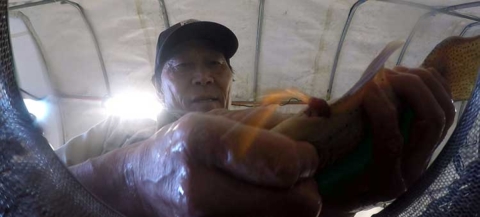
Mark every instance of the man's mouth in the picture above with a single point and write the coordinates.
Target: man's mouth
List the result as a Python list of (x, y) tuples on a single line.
[(205, 99)]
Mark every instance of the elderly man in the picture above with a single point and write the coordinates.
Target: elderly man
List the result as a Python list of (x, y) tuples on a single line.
[(187, 164)]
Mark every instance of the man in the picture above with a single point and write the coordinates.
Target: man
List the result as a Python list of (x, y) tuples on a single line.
[(189, 164)]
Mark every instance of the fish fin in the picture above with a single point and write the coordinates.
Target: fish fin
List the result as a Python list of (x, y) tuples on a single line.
[(457, 59), (375, 66)]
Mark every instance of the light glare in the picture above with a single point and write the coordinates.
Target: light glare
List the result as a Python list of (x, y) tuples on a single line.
[(134, 106), (37, 108)]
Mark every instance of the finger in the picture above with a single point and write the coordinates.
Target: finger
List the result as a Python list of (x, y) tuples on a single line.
[(442, 80), (441, 94), (387, 182), (427, 126), (262, 117), (317, 108), (252, 154), (434, 72), (400, 69), (227, 196)]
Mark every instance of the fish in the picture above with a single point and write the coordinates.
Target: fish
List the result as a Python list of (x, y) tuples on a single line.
[(33, 181), (337, 134)]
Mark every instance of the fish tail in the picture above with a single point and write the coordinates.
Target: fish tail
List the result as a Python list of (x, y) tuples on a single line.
[(457, 59)]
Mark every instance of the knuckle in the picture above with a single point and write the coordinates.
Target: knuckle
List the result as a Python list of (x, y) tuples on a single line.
[(191, 122), (189, 127), (450, 114), (434, 72), (414, 78), (421, 71), (285, 175), (219, 111), (191, 118), (386, 117), (288, 176), (438, 118)]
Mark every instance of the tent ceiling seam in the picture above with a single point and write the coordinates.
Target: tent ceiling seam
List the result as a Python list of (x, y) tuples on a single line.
[(468, 27), (143, 27), (95, 41), (353, 9), (31, 4), (164, 12)]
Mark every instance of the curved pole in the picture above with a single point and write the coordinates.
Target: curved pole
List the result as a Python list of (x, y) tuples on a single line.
[(340, 45), (163, 9), (261, 8), (95, 40), (31, 4), (39, 45), (468, 27), (433, 10), (410, 36), (447, 10)]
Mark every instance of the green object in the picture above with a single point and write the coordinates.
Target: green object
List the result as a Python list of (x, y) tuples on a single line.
[(332, 179)]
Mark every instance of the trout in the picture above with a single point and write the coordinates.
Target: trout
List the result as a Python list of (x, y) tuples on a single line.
[(334, 136)]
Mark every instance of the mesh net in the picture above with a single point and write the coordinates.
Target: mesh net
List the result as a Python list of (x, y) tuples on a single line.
[(451, 186)]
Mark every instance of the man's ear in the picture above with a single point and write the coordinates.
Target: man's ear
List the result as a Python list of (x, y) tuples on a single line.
[(158, 88)]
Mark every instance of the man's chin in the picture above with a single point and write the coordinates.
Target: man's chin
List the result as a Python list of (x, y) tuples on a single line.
[(205, 106)]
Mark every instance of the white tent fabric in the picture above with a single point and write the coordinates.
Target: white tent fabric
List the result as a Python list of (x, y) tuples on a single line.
[(298, 44)]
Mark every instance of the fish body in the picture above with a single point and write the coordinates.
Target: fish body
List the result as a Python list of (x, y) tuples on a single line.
[(336, 135), (345, 130), (458, 60)]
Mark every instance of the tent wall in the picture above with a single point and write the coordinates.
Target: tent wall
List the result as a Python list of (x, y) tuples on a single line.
[(297, 45)]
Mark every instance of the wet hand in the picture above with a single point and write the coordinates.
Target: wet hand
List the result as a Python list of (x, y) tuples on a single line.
[(397, 164), (203, 165)]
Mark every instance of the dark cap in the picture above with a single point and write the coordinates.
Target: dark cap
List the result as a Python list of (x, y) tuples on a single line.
[(220, 36)]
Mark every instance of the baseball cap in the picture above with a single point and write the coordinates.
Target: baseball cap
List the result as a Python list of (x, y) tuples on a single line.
[(220, 36)]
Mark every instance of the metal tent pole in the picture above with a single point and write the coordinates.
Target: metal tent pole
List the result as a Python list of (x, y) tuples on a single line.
[(261, 8)]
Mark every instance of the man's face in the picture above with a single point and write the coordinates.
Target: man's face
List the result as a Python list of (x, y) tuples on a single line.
[(196, 78)]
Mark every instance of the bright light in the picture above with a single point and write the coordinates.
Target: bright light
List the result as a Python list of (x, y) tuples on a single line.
[(37, 108), (134, 106)]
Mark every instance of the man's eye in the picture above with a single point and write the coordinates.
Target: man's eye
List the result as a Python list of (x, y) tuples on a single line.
[(215, 63), (183, 66)]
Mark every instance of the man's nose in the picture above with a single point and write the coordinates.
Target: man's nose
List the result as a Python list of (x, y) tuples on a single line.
[(202, 76)]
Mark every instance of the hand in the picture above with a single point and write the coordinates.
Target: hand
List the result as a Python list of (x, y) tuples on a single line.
[(397, 166), (202, 166), (265, 117)]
